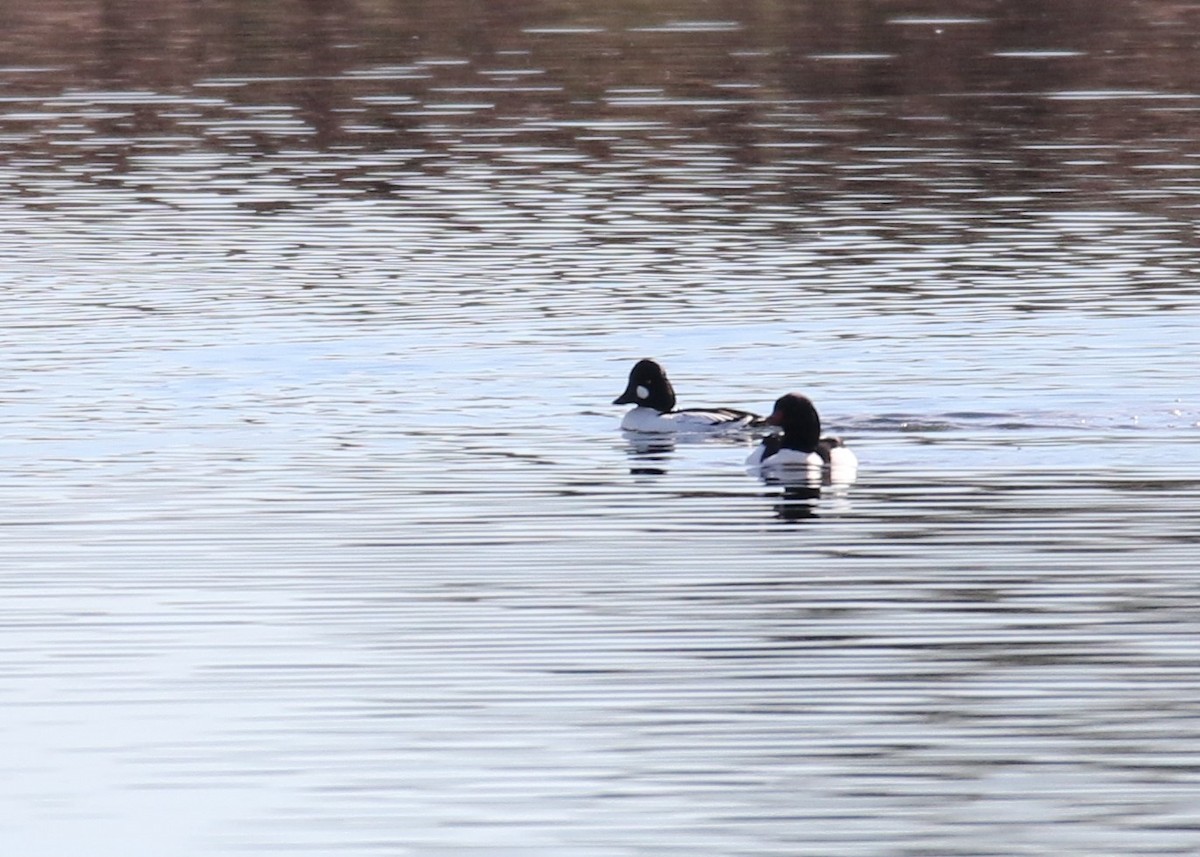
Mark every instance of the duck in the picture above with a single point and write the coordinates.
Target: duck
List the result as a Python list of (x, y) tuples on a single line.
[(653, 399), (801, 444)]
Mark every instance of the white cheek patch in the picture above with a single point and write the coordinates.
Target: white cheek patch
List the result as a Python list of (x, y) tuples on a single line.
[(642, 392)]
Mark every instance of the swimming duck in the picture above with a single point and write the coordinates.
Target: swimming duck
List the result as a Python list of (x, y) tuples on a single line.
[(653, 399), (801, 443)]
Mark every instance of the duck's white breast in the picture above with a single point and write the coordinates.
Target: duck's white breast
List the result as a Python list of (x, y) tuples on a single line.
[(649, 420), (795, 458), (842, 458)]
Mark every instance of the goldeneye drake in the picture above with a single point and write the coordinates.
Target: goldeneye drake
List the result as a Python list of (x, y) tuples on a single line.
[(654, 399), (801, 443)]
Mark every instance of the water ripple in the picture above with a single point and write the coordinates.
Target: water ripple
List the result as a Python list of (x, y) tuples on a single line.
[(320, 533)]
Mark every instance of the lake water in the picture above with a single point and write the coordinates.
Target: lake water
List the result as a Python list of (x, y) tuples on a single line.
[(319, 533)]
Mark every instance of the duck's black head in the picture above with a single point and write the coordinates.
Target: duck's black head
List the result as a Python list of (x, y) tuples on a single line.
[(798, 418), (648, 386)]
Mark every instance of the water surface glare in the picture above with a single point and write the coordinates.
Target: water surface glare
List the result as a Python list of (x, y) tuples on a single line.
[(319, 532)]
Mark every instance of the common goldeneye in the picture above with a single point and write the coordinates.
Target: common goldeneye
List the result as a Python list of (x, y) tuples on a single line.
[(654, 397), (801, 444)]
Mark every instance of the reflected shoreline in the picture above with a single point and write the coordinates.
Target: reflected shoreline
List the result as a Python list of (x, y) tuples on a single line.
[(829, 100)]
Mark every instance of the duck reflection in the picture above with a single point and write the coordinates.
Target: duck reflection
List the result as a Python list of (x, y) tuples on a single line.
[(648, 454), (803, 488), (798, 503)]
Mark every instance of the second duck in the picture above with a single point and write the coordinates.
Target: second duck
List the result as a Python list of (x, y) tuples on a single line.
[(801, 443)]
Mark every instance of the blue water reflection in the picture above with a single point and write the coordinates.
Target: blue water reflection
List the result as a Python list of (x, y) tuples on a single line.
[(319, 530)]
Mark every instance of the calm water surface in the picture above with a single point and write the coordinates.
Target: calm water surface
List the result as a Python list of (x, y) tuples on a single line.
[(319, 533)]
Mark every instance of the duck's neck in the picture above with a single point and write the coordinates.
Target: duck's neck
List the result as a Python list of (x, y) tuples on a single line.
[(800, 441)]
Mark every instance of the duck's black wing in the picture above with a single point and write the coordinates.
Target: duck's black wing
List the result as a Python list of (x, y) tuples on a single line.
[(731, 417)]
